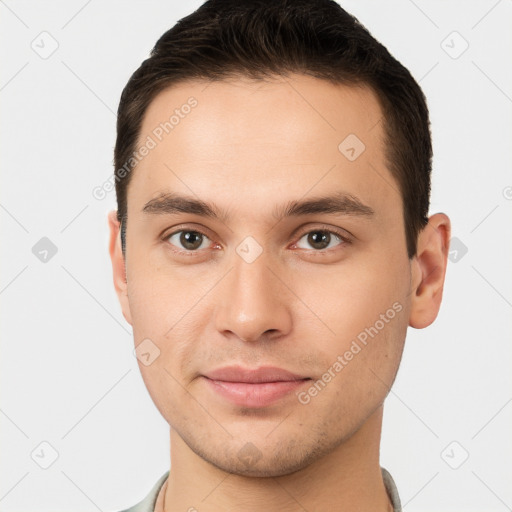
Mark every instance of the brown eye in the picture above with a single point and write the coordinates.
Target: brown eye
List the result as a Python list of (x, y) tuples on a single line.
[(188, 240), (320, 239)]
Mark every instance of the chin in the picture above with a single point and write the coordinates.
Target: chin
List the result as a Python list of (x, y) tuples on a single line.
[(282, 459)]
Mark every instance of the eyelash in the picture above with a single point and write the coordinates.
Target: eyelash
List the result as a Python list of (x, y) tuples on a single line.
[(344, 240)]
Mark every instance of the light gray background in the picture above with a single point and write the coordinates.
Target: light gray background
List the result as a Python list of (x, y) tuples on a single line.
[(68, 374)]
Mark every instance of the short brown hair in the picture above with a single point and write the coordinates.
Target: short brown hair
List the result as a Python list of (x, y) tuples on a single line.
[(268, 38)]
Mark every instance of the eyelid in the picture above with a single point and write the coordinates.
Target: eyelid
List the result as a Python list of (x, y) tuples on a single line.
[(185, 227)]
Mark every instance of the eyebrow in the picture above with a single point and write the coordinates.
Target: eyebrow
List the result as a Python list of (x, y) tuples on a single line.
[(341, 204)]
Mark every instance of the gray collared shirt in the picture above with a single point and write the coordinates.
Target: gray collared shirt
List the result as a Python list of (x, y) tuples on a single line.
[(148, 503)]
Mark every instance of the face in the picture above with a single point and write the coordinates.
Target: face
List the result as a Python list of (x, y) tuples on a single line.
[(267, 269)]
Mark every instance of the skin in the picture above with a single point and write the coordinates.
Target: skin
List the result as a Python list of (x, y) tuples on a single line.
[(250, 147)]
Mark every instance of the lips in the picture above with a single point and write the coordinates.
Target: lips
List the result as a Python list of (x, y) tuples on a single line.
[(255, 376), (254, 388)]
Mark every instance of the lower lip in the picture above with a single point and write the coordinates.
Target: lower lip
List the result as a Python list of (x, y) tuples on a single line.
[(254, 395)]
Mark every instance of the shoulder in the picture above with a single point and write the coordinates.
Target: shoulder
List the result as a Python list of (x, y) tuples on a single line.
[(148, 503), (391, 490)]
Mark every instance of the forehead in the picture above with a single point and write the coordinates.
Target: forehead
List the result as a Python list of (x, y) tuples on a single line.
[(248, 142)]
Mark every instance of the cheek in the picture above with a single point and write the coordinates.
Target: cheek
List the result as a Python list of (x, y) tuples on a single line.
[(364, 312), (168, 309), (362, 366), (160, 295), (350, 298), (151, 309)]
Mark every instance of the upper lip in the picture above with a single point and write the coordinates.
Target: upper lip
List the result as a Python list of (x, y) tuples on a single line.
[(254, 376)]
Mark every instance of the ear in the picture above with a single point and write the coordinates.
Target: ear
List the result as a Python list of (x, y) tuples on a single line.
[(428, 271), (118, 265)]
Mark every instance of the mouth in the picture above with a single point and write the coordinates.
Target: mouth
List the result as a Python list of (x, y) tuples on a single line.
[(253, 388)]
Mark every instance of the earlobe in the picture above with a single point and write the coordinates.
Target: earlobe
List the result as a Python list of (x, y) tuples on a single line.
[(118, 265), (429, 270)]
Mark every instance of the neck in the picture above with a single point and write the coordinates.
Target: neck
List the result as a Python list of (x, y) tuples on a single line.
[(347, 479)]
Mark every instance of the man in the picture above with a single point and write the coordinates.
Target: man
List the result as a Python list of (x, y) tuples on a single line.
[(270, 248)]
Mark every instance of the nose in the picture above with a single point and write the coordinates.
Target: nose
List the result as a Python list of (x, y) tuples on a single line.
[(253, 303)]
